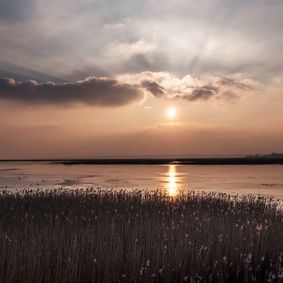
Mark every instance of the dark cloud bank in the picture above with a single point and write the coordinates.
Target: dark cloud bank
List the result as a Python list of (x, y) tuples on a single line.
[(109, 92), (92, 91), (222, 87), (197, 93)]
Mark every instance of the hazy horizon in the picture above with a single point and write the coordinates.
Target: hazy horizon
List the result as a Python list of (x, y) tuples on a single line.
[(170, 156)]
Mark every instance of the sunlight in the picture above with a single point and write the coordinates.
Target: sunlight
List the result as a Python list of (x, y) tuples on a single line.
[(172, 181), (171, 113)]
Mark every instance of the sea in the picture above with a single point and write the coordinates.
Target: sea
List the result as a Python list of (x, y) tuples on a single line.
[(171, 179)]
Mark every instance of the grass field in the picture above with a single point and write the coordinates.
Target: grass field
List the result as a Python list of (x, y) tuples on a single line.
[(115, 236)]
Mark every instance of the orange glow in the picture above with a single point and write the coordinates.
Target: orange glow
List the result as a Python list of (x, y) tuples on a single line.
[(171, 113), (172, 181)]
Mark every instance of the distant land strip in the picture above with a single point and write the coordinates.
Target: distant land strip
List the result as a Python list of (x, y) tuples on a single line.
[(249, 160)]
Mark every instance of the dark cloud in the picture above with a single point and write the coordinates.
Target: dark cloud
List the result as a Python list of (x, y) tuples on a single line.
[(15, 10), (234, 84), (197, 93), (195, 88), (202, 93), (153, 87), (92, 91), (106, 91)]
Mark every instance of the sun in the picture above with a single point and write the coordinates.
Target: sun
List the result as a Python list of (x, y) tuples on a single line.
[(171, 113)]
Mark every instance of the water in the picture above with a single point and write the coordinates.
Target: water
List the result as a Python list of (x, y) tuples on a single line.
[(238, 179)]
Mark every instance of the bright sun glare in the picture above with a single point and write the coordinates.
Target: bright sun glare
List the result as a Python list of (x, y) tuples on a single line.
[(172, 181), (171, 113)]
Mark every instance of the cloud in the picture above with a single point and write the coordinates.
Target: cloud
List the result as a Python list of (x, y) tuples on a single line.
[(178, 37), (192, 88), (15, 10), (127, 50), (229, 82), (124, 89), (153, 87), (202, 93), (21, 73), (92, 91)]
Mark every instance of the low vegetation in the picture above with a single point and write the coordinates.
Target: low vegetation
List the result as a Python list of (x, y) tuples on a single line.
[(115, 236)]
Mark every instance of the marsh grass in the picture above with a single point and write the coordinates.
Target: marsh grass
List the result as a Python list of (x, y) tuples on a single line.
[(115, 236)]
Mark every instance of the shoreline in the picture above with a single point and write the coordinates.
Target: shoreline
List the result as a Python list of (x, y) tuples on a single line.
[(159, 161)]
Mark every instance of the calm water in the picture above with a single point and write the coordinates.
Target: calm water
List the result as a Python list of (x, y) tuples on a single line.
[(243, 179)]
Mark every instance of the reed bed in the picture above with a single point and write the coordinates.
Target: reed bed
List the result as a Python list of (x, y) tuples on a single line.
[(116, 236)]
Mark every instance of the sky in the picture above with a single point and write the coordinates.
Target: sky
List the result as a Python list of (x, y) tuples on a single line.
[(98, 78)]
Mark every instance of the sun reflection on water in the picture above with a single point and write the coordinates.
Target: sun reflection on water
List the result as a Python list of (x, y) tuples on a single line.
[(172, 189)]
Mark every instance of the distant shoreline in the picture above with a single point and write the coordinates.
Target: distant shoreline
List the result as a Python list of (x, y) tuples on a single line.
[(249, 160)]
